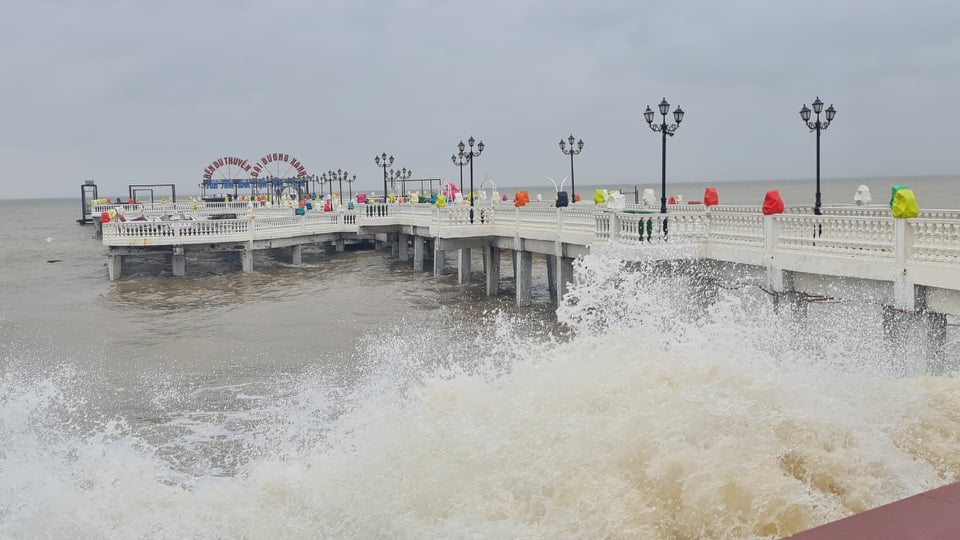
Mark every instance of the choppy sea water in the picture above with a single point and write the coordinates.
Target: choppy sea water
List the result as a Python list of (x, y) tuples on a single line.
[(355, 398)]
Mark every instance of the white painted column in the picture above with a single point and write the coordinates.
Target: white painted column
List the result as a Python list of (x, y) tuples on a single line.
[(296, 255), (778, 280), (904, 292), (463, 265)]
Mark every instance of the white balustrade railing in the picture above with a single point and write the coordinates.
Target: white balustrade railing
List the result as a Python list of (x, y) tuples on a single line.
[(860, 236), (871, 233), (935, 240), (744, 229)]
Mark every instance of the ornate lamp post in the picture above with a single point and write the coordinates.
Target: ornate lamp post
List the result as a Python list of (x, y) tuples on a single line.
[(324, 178), (471, 154), (402, 176), (329, 177), (574, 150), (340, 175), (383, 161), (460, 160), (350, 182), (665, 129), (817, 126)]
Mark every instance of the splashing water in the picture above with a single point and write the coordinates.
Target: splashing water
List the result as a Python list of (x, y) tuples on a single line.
[(657, 413)]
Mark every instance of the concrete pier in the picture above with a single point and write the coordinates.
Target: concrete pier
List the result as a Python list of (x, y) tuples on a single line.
[(524, 276), (491, 263), (179, 261), (463, 266)]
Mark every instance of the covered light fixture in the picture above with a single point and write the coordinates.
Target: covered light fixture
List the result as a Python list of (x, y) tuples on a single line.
[(461, 146), (831, 112), (648, 115), (664, 107), (563, 144), (678, 114), (805, 113), (817, 106), (580, 144)]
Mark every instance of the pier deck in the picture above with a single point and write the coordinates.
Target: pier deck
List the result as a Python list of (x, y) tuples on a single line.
[(907, 263)]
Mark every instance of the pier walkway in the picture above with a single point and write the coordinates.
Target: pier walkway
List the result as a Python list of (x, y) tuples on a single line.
[(909, 264)]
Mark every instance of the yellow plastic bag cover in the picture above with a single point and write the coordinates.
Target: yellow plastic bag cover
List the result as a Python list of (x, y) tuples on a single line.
[(893, 193), (441, 201), (598, 196), (905, 204)]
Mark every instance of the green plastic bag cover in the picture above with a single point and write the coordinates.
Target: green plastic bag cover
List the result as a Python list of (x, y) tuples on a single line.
[(893, 193), (598, 197), (441, 201), (905, 204)]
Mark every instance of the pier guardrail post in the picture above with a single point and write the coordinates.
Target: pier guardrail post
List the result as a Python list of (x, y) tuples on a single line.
[(904, 293), (777, 278)]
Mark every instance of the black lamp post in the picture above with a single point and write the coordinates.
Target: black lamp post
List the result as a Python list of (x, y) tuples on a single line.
[(383, 161), (323, 180), (817, 126), (350, 182), (471, 154), (665, 129), (460, 160), (402, 176), (574, 150), (329, 177), (340, 175)]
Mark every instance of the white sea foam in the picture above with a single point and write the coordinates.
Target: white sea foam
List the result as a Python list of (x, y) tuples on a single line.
[(657, 417)]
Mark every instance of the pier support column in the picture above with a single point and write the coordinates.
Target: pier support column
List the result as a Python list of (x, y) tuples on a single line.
[(904, 294), (179, 261), (246, 260), (552, 273), (296, 255), (403, 252), (524, 273), (439, 262), (491, 266), (394, 245), (463, 266), (795, 301), (418, 249), (564, 276), (114, 266), (340, 245), (910, 335), (936, 343)]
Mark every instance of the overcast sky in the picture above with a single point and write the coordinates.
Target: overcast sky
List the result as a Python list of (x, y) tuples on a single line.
[(141, 92)]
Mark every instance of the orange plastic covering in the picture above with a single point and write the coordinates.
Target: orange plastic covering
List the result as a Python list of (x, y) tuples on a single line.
[(521, 198), (710, 197), (772, 203)]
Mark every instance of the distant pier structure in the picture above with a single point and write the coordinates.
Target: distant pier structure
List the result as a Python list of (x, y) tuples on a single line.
[(88, 194)]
